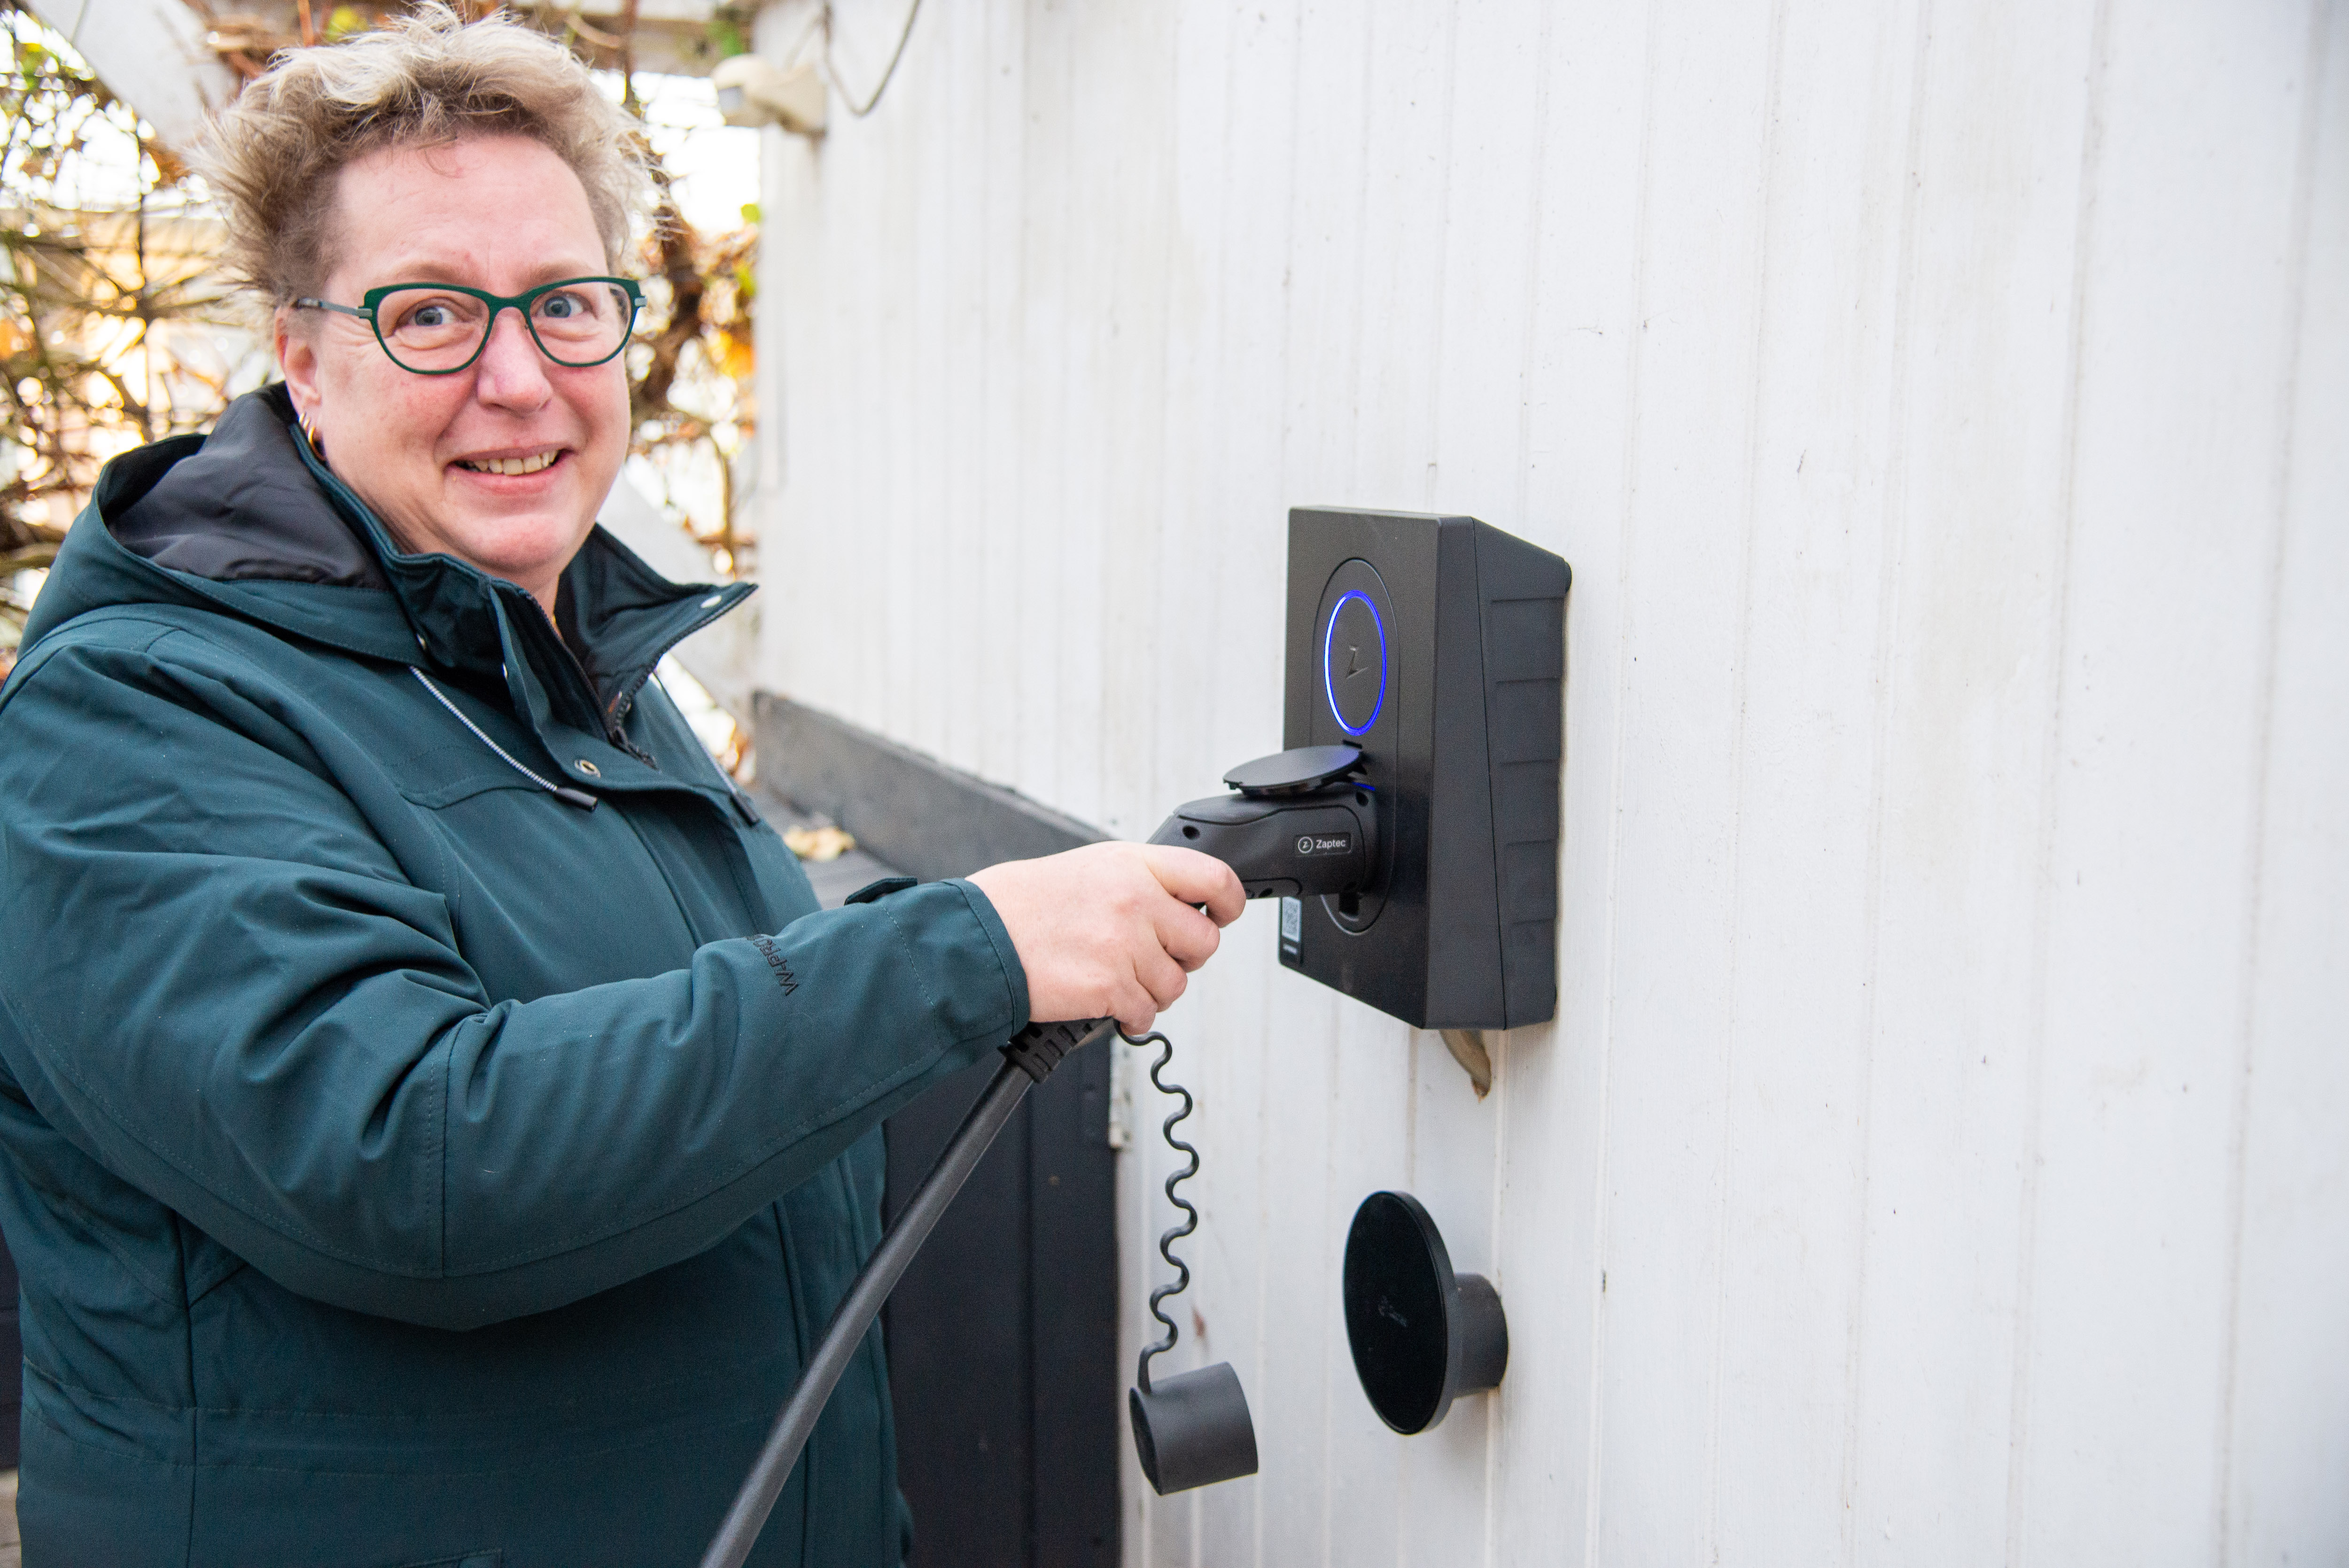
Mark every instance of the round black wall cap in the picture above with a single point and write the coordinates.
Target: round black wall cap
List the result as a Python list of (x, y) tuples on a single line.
[(1422, 1335)]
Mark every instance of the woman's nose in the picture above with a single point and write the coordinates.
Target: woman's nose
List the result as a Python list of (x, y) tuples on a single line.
[(511, 373)]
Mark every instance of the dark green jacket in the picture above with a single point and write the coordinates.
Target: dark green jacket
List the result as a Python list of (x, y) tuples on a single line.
[(406, 1165)]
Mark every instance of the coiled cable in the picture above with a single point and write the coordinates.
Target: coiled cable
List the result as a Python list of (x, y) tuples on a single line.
[(1167, 1238)]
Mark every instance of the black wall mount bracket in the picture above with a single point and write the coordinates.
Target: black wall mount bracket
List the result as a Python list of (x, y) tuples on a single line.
[(1422, 1336)]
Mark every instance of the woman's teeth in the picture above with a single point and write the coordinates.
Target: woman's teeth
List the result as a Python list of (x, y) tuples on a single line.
[(530, 464)]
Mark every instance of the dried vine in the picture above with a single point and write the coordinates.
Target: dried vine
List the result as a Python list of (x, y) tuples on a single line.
[(112, 330)]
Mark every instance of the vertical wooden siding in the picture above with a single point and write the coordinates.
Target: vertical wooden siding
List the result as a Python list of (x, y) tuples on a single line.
[(1938, 1157)]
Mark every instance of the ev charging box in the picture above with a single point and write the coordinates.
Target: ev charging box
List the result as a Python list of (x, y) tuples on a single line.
[(1436, 644)]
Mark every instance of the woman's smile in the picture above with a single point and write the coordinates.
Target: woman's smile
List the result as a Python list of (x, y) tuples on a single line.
[(512, 466)]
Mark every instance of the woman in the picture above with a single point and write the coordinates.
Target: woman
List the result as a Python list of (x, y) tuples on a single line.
[(438, 1117)]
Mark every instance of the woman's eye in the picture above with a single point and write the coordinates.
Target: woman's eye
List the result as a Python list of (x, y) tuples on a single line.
[(429, 315), (559, 307)]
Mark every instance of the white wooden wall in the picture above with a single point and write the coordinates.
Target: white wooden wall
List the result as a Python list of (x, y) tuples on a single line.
[(1941, 1152)]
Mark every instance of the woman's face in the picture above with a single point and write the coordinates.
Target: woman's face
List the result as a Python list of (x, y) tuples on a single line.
[(497, 212)]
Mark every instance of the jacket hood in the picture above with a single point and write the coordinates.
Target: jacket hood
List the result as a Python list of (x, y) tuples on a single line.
[(248, 519), (241, 506)]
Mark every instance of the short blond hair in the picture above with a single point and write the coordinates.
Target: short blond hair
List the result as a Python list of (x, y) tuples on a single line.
[(424, 79)]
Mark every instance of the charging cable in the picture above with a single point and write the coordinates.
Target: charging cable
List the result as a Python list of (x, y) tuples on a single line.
[(1190, 1213), (1028, 1059)]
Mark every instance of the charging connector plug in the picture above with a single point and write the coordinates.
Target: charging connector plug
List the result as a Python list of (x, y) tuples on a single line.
[(1297, 824)]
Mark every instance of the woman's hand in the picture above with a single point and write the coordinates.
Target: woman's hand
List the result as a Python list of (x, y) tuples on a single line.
[(1111, 931)]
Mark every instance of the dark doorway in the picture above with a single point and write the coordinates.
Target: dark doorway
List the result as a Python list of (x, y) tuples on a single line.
[(1002, 1336)]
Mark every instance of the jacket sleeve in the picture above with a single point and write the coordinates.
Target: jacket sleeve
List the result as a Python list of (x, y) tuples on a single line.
[(216, 981)]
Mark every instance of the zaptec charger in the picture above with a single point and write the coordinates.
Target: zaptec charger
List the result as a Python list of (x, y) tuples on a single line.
[(1411, 828), (1436, 644)]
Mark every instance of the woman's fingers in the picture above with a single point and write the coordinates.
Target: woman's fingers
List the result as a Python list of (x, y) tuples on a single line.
[(1192, 877), (1187, 936), (1111, 930), (1161, 979), (1143, 992)]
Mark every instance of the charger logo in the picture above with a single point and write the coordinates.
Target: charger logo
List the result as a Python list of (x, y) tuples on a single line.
[(1324, 844)]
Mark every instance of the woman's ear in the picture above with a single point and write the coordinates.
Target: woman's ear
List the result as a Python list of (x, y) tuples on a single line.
[(297, 357)]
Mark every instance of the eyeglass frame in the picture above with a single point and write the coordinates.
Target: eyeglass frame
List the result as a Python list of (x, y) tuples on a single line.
[(371, 301)]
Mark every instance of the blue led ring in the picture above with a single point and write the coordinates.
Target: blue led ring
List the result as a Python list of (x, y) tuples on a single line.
[(1329, 687)]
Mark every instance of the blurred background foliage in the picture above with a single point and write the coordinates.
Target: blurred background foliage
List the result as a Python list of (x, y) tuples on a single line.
[(115, 331)]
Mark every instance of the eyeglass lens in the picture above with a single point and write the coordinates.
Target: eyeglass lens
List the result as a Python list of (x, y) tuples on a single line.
[(438, 329)]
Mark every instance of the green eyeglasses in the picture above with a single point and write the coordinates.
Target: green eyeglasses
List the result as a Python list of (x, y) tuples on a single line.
[(439, 329)]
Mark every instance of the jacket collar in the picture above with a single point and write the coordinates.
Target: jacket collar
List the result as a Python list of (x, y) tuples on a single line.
[(250, 520)]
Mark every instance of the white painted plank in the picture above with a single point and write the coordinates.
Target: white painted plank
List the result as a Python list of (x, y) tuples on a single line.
[(1683, 572), (1406, 133), (1232, 290), (1237, 73), (1977, 572), (2287, 1437), (2151, 861), (1275, 455), (993, 514), (1554, 1083), (1161, 746), (1495, 77), (1237, 1284), (929, 531), (1370, 1500), (1818, 456), (1303, 1383), (1384, 275), (1128, 513), (1050, 217)]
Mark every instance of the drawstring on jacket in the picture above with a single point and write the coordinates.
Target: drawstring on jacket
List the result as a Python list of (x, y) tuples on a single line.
[(579, 798)]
